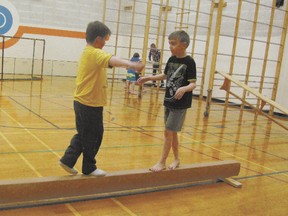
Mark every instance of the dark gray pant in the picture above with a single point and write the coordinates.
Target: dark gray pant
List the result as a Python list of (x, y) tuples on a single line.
[(155, 72), (89, 125)]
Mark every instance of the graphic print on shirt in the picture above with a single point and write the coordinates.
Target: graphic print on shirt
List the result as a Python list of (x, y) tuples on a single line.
[(175, 74)]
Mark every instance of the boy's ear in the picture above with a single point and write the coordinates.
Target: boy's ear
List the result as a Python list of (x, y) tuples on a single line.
[(185, 45), (107, 37), (97, 39)]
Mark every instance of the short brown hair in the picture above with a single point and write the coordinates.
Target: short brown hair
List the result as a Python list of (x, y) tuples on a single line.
[(182, 36), (96, 29)]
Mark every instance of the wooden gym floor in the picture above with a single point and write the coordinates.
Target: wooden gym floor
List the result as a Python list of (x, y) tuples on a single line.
[(37, 123)]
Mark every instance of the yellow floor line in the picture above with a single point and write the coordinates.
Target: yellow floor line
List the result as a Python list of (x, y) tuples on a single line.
[(20, 155), (33, 135), (70, 207), (227, 153), (73, 210), (29, 132), (123, 207)]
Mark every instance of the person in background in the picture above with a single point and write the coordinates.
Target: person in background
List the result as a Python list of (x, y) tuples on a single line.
[(155, 55), (132, 75)]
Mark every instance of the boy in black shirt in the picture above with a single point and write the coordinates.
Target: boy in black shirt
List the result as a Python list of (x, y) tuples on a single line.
[(180, 72)]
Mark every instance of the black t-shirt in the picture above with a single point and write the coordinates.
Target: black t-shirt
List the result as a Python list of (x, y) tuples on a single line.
[(180, 72)]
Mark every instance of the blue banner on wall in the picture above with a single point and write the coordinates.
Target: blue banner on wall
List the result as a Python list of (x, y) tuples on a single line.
[(9, 18)]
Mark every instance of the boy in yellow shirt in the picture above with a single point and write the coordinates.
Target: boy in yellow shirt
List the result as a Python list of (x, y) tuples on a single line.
[(89, 99)]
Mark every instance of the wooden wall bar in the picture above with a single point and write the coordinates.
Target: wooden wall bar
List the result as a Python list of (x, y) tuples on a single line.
[(253, 36), (280, 58)]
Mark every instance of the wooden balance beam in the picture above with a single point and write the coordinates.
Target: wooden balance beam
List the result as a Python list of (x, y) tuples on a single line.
[(264, 100), (54, 190)]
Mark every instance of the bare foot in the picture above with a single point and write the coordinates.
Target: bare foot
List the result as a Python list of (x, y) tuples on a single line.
[(158, 167), (174, 165)]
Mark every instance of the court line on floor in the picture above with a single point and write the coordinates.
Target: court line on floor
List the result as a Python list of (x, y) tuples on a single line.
[(34, 113), (33, 135), (71, 208), (226, 140), (190, 139), (248, 146), (33, 169), (217, 149), (20, 155), (30, 133), (144, 132), (26, 161), (127, 210), (263, 174), (62, 150), (53, 151), (227, 153)]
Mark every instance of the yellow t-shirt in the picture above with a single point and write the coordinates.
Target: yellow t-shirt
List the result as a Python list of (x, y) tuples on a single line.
[(91, 81)]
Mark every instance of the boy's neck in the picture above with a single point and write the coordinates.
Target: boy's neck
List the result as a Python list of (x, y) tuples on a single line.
[(181, 55), (93, 45)]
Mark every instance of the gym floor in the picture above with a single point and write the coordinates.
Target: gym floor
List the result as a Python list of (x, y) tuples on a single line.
[(37, 123)]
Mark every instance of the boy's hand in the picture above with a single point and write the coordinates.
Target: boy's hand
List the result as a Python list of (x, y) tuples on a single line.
[(179, 93), (142, 80)]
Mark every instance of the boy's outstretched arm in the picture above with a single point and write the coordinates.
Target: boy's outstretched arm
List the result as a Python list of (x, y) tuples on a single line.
[(157, 77), (119, 62)]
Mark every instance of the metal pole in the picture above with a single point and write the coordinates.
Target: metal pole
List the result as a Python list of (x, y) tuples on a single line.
[(43, 53), (2, 66), (33, 58)]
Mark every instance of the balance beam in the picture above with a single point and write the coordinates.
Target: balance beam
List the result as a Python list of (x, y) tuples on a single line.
[(264, 100), (53, 190)]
